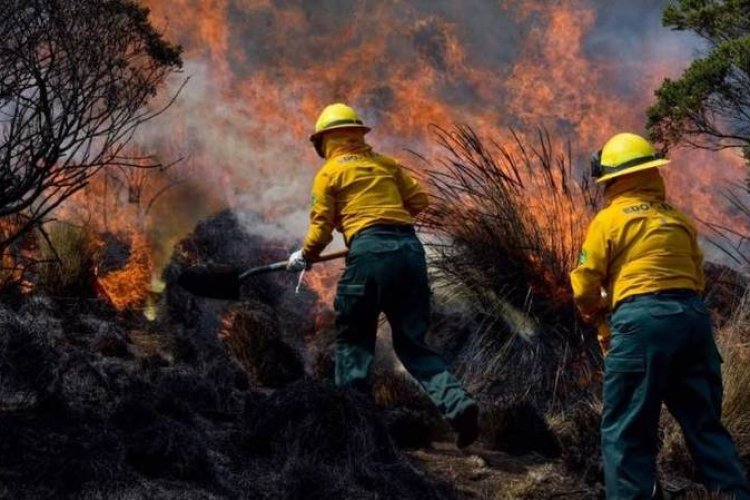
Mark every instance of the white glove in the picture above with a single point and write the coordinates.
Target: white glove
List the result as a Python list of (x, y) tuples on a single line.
[(296, 263)]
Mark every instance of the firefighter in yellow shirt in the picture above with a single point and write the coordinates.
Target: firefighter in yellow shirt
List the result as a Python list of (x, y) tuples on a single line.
[(644, 254), (372, 201)]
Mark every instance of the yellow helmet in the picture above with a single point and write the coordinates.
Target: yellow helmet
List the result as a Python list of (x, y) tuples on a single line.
[(335, 116), (624, 154)]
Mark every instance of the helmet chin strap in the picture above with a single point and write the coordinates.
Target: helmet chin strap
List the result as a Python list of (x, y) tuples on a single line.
[(608, 184)]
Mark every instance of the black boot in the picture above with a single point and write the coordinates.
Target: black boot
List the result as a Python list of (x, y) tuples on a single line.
[(466, 425)]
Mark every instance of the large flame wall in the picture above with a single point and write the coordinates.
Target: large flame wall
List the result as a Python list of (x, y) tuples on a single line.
[(260, 70)]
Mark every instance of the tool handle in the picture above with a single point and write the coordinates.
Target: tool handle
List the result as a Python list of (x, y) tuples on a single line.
[(331, 256), (280, 266)]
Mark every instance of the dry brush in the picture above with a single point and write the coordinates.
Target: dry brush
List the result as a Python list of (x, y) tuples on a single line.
[(504, 230)]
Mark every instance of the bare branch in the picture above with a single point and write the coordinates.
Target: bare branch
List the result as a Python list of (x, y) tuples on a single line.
[(76, 81)]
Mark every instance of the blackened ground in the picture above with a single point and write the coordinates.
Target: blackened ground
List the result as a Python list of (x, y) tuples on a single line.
[(519, 429), (291, 427), (96, 406)]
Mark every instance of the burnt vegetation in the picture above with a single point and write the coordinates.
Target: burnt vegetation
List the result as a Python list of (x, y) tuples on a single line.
[(162, 415), (97, 404), (220, 400), (76, 78)]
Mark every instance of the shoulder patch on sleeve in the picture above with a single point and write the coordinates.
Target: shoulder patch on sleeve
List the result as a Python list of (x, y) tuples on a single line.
[(583, 257)]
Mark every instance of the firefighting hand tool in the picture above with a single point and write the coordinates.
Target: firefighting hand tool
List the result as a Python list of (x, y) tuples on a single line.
[(296, 262), (224, 282), (624, 154), (333, 117)]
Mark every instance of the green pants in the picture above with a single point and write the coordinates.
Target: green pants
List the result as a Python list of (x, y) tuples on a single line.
[(663, 350), (386, 272)]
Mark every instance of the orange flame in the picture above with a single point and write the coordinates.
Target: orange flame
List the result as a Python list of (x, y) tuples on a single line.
[(262, 70), (127, 288), (322, 280)]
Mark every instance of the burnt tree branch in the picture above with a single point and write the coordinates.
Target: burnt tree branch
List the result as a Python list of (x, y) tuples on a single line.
[(76, 81)]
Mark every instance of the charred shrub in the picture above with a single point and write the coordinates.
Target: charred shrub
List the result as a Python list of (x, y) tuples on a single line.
[(311, 480), (519, 429), (408, 428), (160, 445), (174, 418), (71, 416), (305, 425), (111, 345), (223, 239), (179, 387), (252, 336), (106, 337), (28, 362), (320, 421), (55, 450), (411, 418)]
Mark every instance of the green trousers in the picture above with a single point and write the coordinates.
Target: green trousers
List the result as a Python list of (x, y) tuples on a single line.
[(663, 350), (386, 272)]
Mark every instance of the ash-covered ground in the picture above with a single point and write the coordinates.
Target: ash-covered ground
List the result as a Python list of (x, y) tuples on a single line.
[(95, 404)]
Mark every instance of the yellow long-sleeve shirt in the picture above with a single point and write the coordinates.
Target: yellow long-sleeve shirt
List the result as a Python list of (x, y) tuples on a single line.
[(638, 244), (357, 188)]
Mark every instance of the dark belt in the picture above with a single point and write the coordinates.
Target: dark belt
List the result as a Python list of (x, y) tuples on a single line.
[(676, 293), (385, 228)]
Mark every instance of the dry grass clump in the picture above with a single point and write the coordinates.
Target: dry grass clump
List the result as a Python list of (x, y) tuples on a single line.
[(67, 255), (507, 220), (543, 483), (736, 372), (504, 230), (736, 407), (725, 289), (578, 431)]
